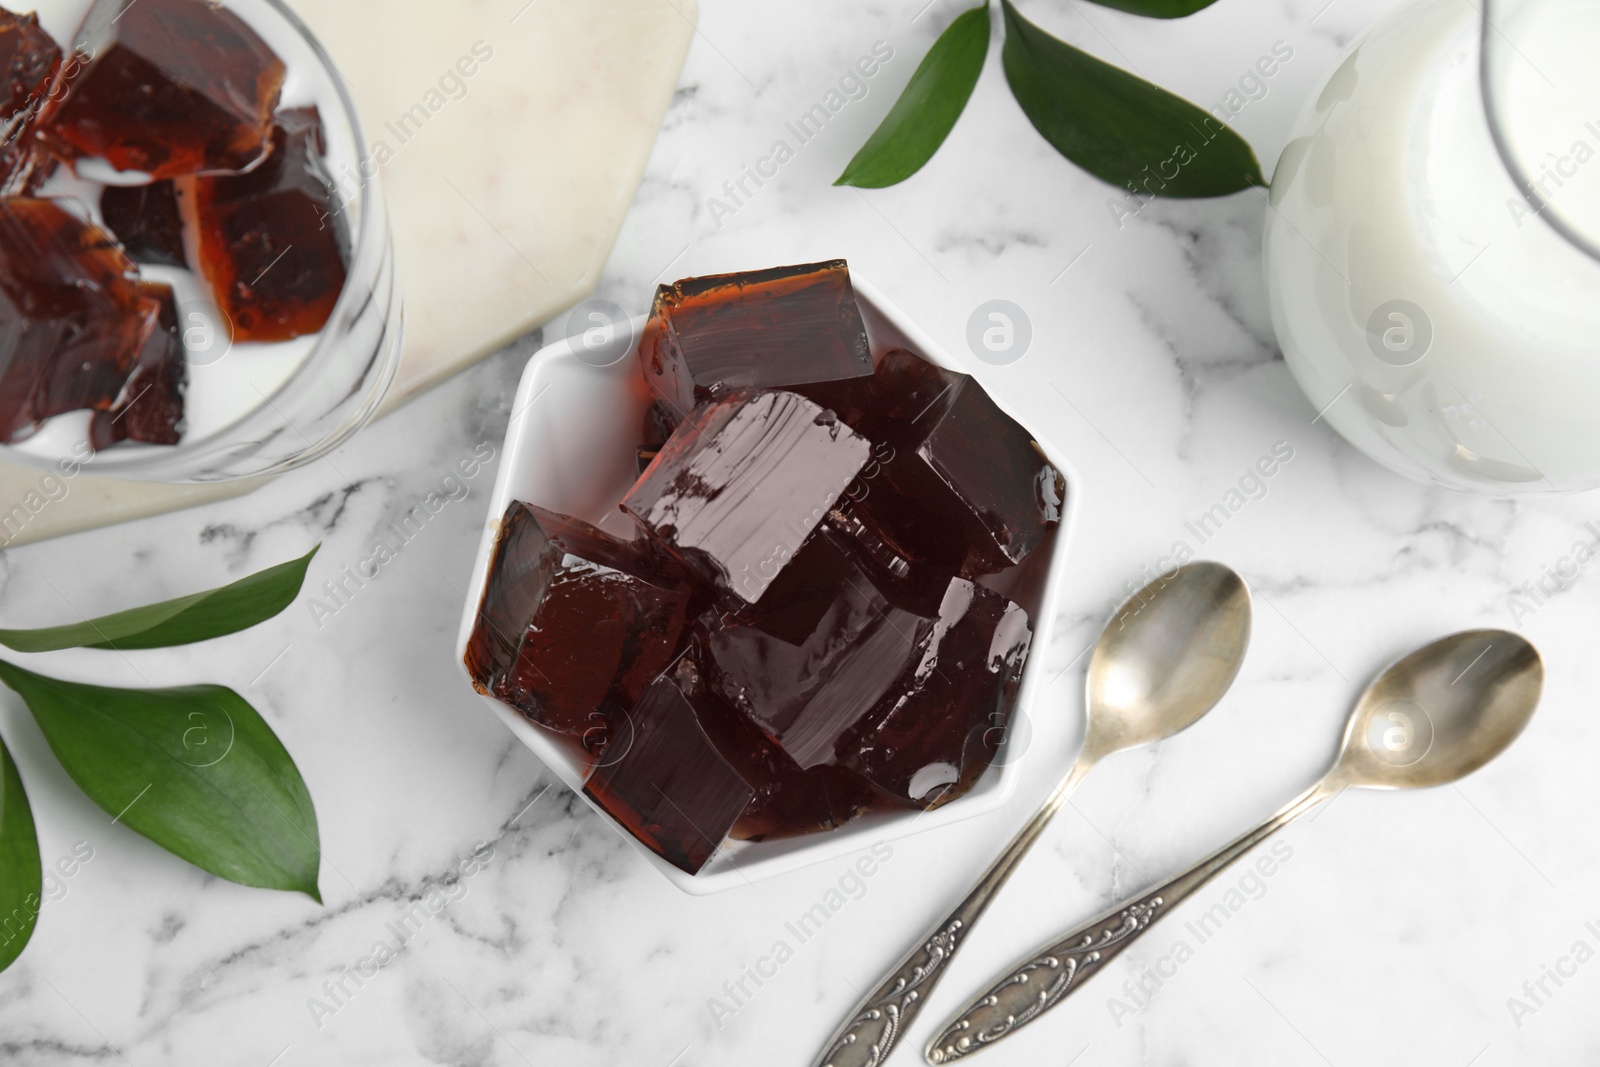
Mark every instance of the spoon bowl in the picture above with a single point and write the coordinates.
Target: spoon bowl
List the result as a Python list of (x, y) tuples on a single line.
[(1154, 671), (1441, 712)]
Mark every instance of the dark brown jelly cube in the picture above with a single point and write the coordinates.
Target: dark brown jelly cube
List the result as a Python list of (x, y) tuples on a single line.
[(795, 328), (803, 592), (787, 801), (273, 243), (742, 483), (966, 490), (911, 515), (146, 221), (571, 618), (658, 426), (941, 723), (908, 389), (168, 88), (671, 789), (806, 694), (912, 584), (74, 319), (29, 61), (150, 408)]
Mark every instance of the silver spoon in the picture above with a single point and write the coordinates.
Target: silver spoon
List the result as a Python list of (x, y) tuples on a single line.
[(1164, 660), (1433, 717)]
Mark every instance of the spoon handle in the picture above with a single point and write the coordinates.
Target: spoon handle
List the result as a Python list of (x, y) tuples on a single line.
[(1041, 980), (876, 1024)]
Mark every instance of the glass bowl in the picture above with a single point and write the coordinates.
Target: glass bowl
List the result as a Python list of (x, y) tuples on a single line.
[(295, 400)]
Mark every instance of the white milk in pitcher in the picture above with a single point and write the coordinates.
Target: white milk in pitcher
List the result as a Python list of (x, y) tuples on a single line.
[(1430, 313)]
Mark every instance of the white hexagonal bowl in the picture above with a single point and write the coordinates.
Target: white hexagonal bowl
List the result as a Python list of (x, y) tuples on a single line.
[(570, 448)]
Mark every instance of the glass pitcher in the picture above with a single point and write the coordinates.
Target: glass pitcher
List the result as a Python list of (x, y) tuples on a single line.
[(1431, 250)]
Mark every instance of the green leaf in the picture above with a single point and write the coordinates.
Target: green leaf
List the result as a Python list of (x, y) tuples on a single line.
[(1158, 9), (20, 883), (195, 769), (1118, 127), (928, 106), (196, 617)]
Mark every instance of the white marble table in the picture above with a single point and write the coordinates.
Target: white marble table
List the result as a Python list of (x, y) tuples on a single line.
[(1395, 931)]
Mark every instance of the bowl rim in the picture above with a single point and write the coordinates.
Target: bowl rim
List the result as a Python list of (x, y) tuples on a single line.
[(732, 868)]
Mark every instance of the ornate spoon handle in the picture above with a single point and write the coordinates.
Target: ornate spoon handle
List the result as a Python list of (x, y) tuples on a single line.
[(872, 1030), (1040, 981)]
